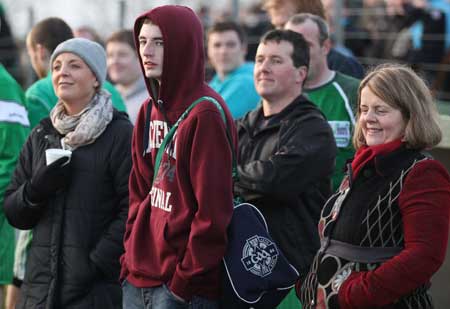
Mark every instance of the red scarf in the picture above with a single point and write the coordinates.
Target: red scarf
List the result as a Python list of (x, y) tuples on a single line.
[(367, 153)]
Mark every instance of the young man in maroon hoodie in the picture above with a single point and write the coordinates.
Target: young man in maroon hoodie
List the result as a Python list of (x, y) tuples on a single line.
[(176, 229)]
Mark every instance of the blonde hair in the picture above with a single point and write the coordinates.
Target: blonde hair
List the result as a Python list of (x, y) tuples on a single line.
[(401, 88)]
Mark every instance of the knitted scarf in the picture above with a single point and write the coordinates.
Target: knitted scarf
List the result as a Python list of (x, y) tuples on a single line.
[(86, 126)]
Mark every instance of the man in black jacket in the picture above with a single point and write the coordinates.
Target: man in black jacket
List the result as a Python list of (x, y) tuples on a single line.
[(286, 149)]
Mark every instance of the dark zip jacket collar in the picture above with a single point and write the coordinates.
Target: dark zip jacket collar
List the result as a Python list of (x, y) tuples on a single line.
[(301, 105)]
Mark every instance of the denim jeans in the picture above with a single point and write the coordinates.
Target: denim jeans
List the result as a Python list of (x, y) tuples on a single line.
[(160, 297)]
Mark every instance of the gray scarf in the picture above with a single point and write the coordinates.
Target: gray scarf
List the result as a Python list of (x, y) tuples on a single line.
[(86, 126)]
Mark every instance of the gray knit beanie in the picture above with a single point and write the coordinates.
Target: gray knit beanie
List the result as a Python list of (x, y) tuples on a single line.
[(92, 53)]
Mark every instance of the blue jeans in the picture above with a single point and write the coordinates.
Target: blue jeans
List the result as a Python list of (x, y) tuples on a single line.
[(160, 297)]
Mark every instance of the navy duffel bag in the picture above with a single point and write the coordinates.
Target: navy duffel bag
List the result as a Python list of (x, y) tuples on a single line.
[(258, 275)]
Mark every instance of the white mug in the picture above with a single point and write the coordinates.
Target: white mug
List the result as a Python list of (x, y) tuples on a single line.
[(53, 154)]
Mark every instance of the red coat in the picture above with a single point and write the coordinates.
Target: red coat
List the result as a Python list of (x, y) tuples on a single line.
[(398, 200)]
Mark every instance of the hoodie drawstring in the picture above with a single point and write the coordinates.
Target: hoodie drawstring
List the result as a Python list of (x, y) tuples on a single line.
[(146, 135), (169, 125), (145, 139)]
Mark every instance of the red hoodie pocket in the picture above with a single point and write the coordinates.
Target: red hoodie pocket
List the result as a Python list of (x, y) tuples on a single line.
[(149, 255), (176, 240)]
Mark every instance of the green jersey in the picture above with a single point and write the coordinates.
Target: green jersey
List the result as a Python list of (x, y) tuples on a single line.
[(337, 99), (14, 129)]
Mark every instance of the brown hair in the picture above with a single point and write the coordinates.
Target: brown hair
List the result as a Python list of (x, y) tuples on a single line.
[(49, 33), (314, 7), (321, 24), (122, 36), (222, 26), (300, 53), (401, 88), (143, 21)]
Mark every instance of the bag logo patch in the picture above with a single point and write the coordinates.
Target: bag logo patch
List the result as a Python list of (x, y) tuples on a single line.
[(259, 256)]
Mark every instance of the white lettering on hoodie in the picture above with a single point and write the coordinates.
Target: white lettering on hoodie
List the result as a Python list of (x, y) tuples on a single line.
[(161, 199), (158, 130)]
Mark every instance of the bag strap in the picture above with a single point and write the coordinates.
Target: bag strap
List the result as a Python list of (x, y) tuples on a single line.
[(361, 254), (172, 131)]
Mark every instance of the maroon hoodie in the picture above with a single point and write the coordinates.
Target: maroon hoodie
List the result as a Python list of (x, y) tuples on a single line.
[(176, 229)]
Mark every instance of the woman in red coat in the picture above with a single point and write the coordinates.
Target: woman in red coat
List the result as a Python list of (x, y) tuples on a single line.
[(384, 232)]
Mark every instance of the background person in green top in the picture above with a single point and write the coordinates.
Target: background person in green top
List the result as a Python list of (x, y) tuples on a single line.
[(334, 93), (41, 41), (14, 129)]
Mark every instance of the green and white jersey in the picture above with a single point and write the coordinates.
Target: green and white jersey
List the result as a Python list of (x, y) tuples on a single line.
[(14, 129), (337, 99)]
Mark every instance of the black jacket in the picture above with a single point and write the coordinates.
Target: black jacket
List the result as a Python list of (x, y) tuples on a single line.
[(285, 165), (73, 260)]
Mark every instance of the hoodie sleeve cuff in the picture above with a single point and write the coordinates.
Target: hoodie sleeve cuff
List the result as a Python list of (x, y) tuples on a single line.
[(180, 287)]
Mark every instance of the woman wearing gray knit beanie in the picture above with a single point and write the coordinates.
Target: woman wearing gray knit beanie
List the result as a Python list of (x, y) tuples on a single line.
[(76, 205)]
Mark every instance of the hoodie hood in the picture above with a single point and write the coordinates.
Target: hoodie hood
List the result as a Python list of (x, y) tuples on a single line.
[(183, 62)]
